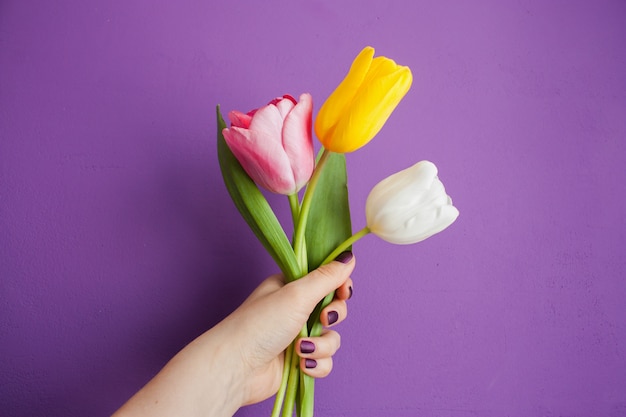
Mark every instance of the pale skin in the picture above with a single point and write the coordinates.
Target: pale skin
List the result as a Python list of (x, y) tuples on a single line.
[(240, 360)]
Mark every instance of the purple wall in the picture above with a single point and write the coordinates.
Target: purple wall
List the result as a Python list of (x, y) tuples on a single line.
[(119, 244)]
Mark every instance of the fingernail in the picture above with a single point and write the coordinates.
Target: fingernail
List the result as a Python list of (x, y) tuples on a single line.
[(310, 363), (344, 257), (350, 288), (333, 316), (307, 347)]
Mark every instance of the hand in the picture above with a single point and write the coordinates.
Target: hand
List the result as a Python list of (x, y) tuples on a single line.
[(269, 320), (240, 360)]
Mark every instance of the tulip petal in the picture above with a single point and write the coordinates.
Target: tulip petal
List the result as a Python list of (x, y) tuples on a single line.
[(342, 97), (416, 179), (268, 121), (239, 119), (371, 108), (262, 158), (381, 66), (297, 140), (284, 106)]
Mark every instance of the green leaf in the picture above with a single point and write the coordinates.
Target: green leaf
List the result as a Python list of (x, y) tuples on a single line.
[(327, 227), (328, 224), (254, 207)]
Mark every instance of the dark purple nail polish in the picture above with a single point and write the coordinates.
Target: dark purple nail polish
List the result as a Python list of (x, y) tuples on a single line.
[(350, 288), (307, 347), (310, 363), (333, 316), (344, 257)]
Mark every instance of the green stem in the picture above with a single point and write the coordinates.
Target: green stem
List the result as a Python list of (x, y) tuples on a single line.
[(298, 241), (307, 382), (294, 204), (294, 377), (346, 244), (280, 395), (316, 329), (308, 395)]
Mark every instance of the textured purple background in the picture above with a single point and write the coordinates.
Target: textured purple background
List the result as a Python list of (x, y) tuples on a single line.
[(119, 244)]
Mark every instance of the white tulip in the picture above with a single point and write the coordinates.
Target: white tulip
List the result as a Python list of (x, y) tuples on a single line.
[(409, 206)]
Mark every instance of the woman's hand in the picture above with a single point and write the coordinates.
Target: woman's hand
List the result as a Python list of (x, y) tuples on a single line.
[(271, 318), (240, 360)]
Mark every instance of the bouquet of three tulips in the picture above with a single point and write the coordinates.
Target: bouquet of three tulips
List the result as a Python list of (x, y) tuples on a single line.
[(272, 147)]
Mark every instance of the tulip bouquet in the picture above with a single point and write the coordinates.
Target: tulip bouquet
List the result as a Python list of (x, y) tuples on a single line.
[(272, 147)]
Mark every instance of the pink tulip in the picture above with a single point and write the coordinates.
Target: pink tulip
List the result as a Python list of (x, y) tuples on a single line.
[(274, 144)]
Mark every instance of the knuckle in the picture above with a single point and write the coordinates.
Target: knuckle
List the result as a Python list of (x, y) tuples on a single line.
[(327, 367), (326, 272), (294, 290)]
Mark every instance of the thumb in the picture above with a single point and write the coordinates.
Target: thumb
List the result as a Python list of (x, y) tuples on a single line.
[(314, 286)]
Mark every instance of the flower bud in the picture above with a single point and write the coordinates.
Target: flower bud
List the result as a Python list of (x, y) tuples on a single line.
[(409, 206), (361, 104), (274, 144)]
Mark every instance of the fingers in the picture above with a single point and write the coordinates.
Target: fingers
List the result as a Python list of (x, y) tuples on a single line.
[(334, 313), (310, 289), (337, 310), (316, 368), (345, 291), (316, 353)]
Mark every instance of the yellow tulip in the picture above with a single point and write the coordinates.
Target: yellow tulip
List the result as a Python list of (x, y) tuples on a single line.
[(359, 107)]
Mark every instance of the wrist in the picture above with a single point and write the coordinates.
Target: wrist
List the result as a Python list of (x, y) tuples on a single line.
[(202, 380), (220, 388)]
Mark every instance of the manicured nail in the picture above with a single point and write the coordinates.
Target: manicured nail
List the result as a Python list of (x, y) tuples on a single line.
[(344, 257), (307, 347), (333, 316), (350, 288), (310, 363)]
